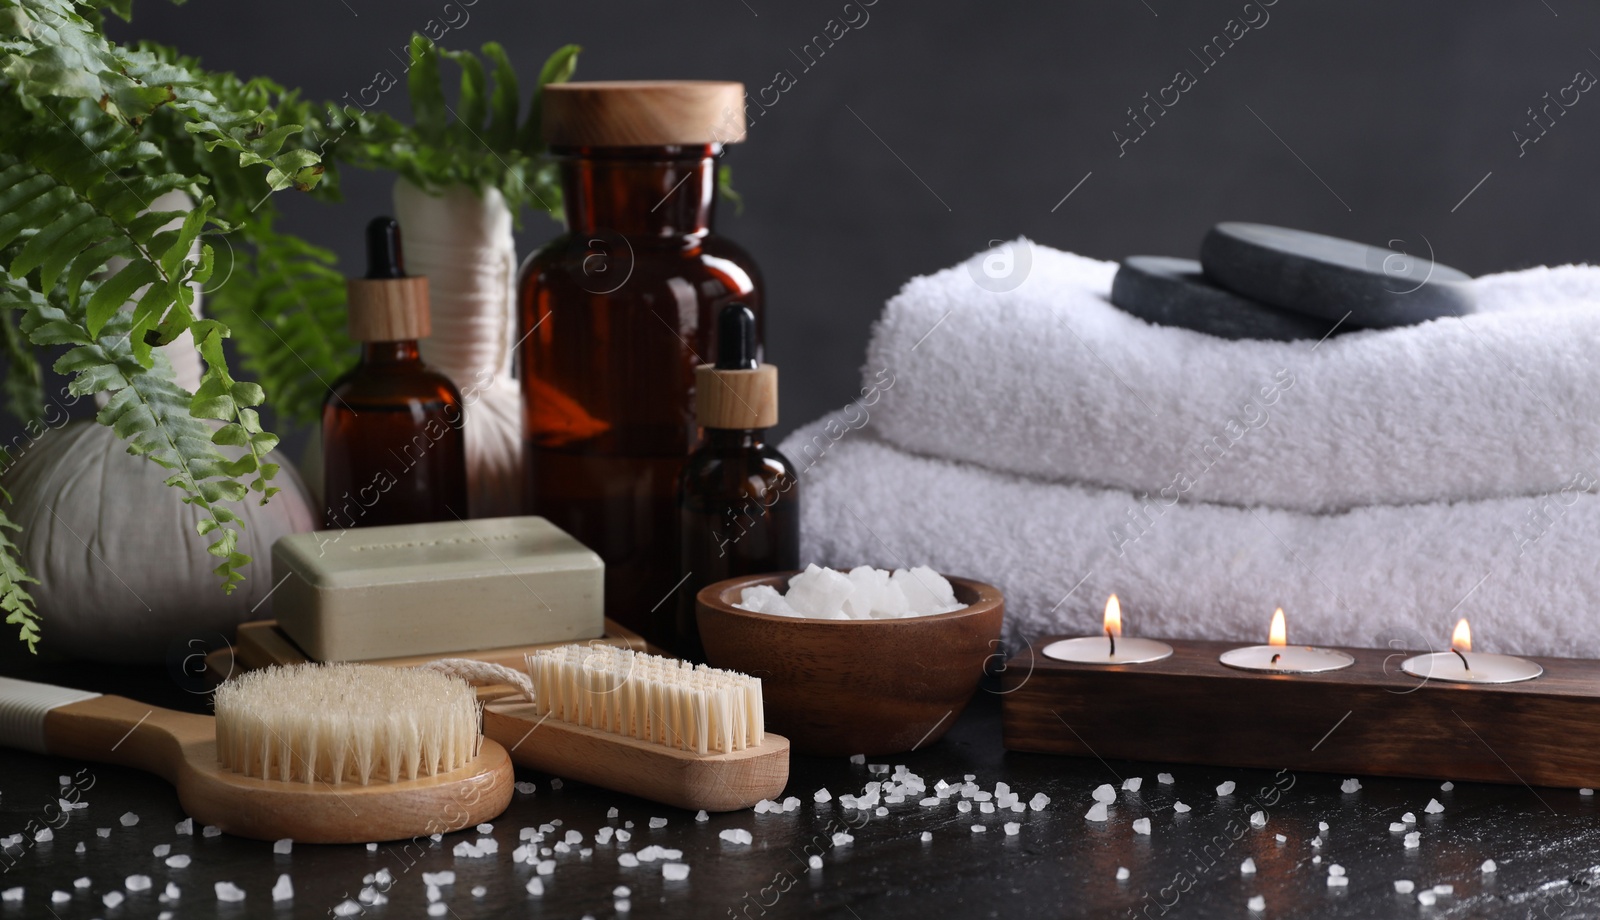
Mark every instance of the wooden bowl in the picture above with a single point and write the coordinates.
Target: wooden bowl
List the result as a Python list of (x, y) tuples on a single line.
[(855, 686)]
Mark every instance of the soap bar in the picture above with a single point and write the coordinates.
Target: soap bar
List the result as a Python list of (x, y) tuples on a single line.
[(435, 588), (1173, 292), (1333, 279)]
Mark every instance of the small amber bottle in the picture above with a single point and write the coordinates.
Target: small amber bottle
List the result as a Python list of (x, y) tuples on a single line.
[(738, 498), (615, 315), (393, 449)]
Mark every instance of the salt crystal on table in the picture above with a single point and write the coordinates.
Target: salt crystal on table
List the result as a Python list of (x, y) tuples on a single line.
[(555, 784), (1446, 786), (574, 838), (486, 828), (1488, 866), (984, 807), (346, 908), (622, 905), (930, 801), (1164, 779), (1322, 825), (1141, 826), (624, 836), (1427, 898), (367, 894), (791, 803), (927, 836), (103, 831), (858, 758), (1180, 808), (466, 850), (1586, 791), (535, 886), (283, 889), (1316, 841), (65, 780), (611, 813), (1413, 840), (1258, 819), (446, 877), (815, 862), (562, 847), (1257, 904), (171, 893), (1248, 867), (111, 899), (1433, 807), (964, 806), (674, 872), (979, 829), (130, 819), (1011, 828), (13, 894), (526, 788), (1122, 874), (1281, 838), (1132, 783), (1316, 860), (184, 828), (161, 849), (372, 848), (60, 897), (44, 836), (1350, 785), (1039, 801), (603, 835), (1096, 812), (80, 848), (840, 839), (1409, 818), (228, 891), (1336, 869), (438, 909), (547, 866), (211, 830), (82, 882), (877, 768), (1338, 881), (1105, 793), (884, 811), (479, 891), (137, 883), (283, 847), (1226, 788), (822, 795), (731, 835), (1444, 889)]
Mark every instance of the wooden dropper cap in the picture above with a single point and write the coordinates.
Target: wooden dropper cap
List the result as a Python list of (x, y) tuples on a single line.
[(387, 305), (736, 392), (643, 113)]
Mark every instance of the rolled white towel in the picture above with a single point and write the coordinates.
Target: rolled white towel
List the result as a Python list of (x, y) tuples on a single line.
[(1521, 569), (1051, 380)]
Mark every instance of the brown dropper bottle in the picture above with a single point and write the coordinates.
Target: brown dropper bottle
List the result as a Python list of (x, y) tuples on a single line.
[(393, 449), (615, 315), (738, 498)]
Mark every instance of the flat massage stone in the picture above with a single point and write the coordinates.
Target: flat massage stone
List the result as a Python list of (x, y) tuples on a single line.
[(1327, 277), (1173, 292)]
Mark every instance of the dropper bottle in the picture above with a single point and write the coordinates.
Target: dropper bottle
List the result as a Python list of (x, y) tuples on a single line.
[(738, 497), (393, 448)]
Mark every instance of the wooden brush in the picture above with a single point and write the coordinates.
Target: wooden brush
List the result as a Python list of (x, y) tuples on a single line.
[(659, 728), (319, 753)]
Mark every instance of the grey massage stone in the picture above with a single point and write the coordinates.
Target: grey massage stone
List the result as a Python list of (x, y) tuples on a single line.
[(1173, 292), (1330, 278)]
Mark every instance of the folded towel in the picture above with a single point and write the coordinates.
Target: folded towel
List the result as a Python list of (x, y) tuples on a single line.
[(1050, 380), (1522, 569)]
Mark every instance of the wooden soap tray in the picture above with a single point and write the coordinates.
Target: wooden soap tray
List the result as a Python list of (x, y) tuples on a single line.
[(1368, 719), (261, 643)]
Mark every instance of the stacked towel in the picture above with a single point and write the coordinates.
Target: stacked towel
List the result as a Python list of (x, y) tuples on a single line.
[(1378, 486)]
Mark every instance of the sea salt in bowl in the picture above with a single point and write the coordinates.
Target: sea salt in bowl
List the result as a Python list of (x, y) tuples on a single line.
[(868, 686)]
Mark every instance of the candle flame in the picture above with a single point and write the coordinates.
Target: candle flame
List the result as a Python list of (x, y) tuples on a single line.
[(1279, 634), (1113, 616), (1462, 639)]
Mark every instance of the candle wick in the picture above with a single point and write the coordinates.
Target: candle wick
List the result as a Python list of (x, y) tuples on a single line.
[(1463, 658), (1275, 659), (1113, 640)]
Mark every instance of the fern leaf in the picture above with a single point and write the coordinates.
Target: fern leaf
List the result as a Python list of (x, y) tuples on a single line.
[(15, 601), (24, 384)]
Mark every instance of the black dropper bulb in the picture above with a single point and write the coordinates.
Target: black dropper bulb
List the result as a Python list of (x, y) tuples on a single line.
[(384, 256), (736, 338)]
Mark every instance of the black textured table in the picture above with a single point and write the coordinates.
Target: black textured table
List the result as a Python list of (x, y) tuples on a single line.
[(1546, 844)]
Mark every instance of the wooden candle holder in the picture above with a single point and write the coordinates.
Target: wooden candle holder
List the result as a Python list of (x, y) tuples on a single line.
[(1368, 719)]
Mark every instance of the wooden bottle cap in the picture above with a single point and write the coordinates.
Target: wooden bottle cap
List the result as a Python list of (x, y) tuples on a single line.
[(736, 399), (643, 113), (388, 309)]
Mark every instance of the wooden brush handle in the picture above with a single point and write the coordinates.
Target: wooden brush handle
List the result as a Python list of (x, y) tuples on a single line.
[(105, 729)]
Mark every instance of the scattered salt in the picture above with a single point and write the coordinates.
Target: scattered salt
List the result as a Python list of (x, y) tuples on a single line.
[(13, 894), (1586, 791), (1141, 826), (1281, 838), (211, 830), (815, 862), (45, 835), (1413, 840), (178, 861), (80, 848), (535, 886), (736, 835), (840, 839), (701, 817), (1132, 783), (1122, 874), (1164, 779), (130, 819), (965, 806), (1012, 828), (927, 836), (283, 889), (858, 758), (1096, 812), (1409, 818), (526, 788), (1433, 807), (103, 831), (1396, 827), (1316, 841), (1350, 785), (1248, 867), (1322, 826), (1444, 889), (372, 848), (111, 899), (228, 891), (1039, 801), (1180, 808), (137, 883), (1257, 904), (1226, 788), (82, 882), (658, 822), (1446, 786), (1404, 886), (1336, 869), (1427, 898), (674, 872), (555, 784), (438, 909), (1338, 881), (161, 849), (1105, 793), (1258, 819), (284, 846), (574, 838), (59, 897), (436, 879), (1488, 867), (479, 891), (346, 908), (486, 828), (979, 829)]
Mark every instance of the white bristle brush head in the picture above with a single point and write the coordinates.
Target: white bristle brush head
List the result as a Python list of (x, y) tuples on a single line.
[(338, 723), (662, 700)]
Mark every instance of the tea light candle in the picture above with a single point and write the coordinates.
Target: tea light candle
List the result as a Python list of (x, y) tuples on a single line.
[(1462, 665), (1110, 648), (1277, 657)]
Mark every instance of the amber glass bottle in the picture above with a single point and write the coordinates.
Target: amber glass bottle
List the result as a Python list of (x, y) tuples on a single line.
[(393, 450), (738, 498), (615, 315)]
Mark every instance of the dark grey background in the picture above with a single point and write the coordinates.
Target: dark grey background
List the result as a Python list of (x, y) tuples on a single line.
[(971, 122)]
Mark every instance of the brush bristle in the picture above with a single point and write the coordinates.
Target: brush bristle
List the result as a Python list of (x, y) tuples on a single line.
[(661, 700), (336, 723)]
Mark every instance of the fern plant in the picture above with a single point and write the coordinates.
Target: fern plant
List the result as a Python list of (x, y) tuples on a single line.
[(94, 133)]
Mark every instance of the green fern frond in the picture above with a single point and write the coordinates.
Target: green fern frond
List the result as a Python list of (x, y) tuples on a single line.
[(15, 601), (24, 384)]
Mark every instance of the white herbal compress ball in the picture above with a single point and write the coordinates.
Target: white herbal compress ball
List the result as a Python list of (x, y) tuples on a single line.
[(462, 242), (123, 576)]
